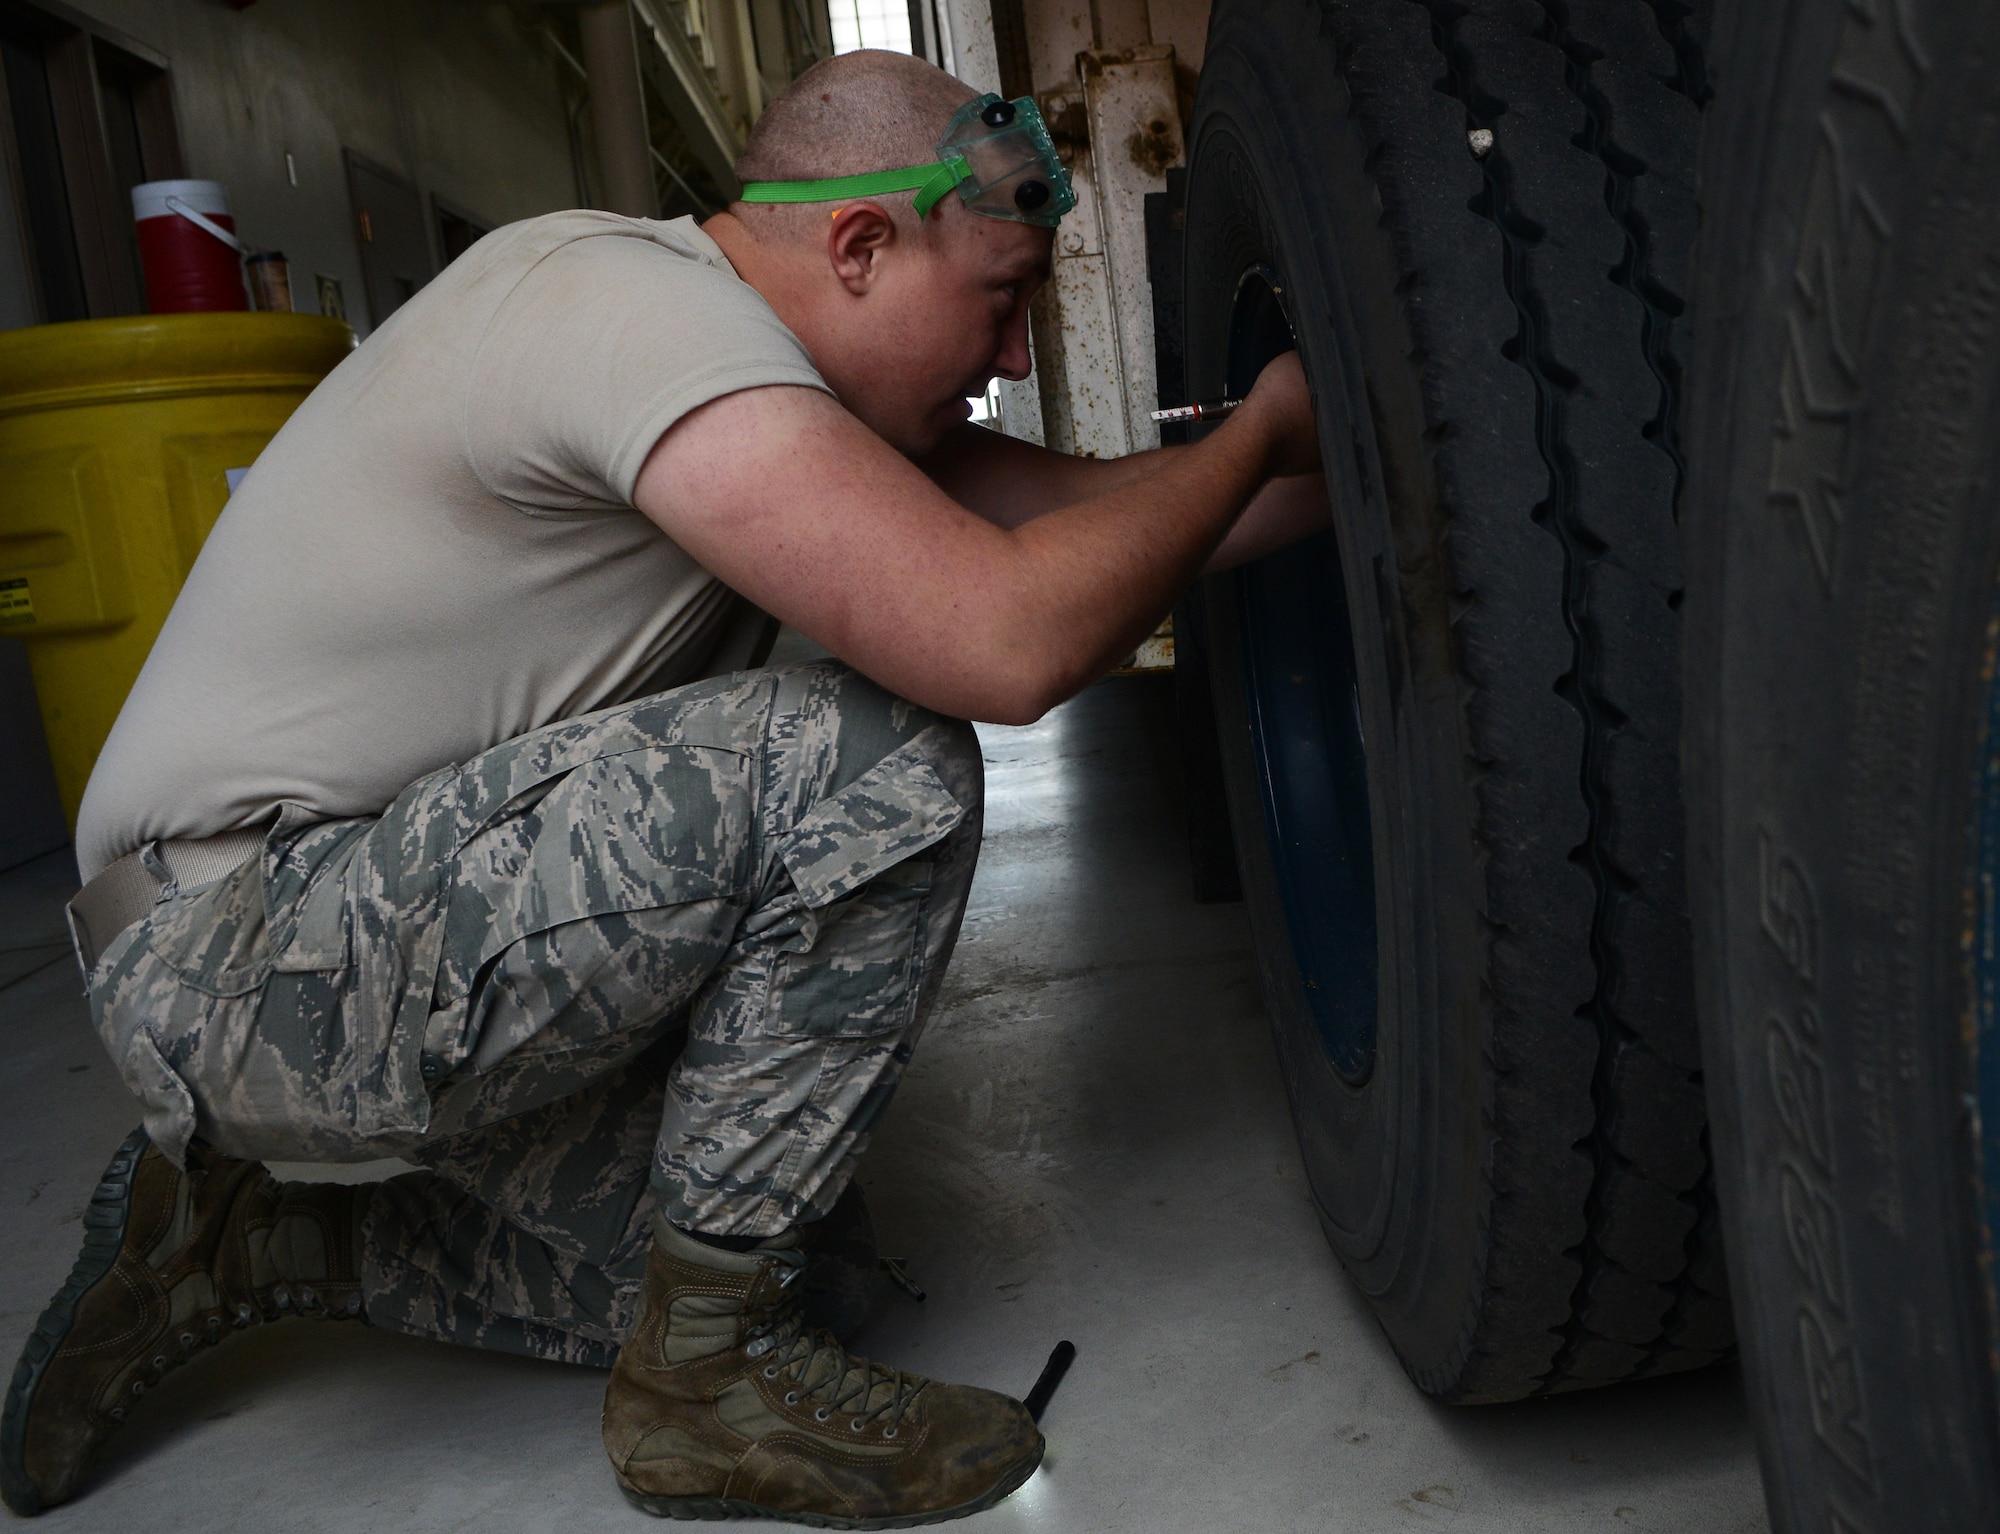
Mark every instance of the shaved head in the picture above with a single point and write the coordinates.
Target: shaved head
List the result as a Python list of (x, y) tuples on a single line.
[(903, 316), (855, 113)]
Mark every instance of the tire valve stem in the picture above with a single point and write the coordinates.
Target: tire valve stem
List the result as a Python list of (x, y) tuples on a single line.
[(1214, 410), (1480, 142)]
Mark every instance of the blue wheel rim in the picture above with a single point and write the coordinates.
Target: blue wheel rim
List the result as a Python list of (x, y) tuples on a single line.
[(1305, 725)]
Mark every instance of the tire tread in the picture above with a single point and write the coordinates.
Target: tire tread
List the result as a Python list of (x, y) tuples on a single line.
[(1543, 288)]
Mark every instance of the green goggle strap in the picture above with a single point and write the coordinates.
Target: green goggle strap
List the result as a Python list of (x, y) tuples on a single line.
[(929, 182)]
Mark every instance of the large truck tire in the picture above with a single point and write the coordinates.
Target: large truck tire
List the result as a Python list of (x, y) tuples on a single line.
[(1843, 776), (1450, 725)]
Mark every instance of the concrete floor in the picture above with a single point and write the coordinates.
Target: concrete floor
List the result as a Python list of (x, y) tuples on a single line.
[(1091, 1144)]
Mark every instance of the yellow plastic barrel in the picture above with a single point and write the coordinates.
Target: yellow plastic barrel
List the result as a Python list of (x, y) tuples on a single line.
[(116, 438)]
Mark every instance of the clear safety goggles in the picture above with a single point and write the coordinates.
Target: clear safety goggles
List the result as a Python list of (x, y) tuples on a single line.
[(996, 154)]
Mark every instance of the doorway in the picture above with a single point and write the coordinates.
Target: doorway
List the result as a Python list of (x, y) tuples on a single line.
[(392, 234)]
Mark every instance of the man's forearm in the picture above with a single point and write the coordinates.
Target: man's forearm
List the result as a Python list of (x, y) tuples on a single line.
[(1279, 515), (1104, 570), (1010, 483)]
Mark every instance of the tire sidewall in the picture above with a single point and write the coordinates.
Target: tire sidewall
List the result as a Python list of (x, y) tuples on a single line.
[(1391, 1159), (1836, 678)]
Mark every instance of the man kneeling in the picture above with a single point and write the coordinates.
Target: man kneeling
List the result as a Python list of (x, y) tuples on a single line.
[(447, 823)]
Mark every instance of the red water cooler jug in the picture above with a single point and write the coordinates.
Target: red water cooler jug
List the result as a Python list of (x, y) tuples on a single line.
[(188, 247)]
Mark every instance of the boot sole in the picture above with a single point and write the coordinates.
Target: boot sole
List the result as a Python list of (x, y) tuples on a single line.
[(103, 1234), (723, 1509)]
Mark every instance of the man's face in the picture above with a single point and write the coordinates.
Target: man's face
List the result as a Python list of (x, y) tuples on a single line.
[(947, 313)]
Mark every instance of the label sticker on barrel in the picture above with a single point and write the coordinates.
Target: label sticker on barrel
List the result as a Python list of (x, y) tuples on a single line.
[(16, 606)]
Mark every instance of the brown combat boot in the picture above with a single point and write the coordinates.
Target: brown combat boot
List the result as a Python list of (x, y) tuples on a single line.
[(723, 1405), (172, 1263)]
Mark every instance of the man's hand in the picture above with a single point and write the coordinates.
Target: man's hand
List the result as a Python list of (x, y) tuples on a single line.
[(1010, 482), (1281, 396), (794, 503)]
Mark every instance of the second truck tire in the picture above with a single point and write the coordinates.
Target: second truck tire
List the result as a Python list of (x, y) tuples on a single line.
[(1843, 747), (1450, 724)]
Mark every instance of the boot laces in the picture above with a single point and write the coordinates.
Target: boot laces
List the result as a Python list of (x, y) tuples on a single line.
[(205, 1330), (826, 1372)]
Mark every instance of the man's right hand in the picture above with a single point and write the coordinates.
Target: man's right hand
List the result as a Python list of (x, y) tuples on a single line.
[(1281, 402)]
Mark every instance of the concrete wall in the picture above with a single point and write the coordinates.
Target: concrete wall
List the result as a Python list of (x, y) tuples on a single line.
[(453, 94)]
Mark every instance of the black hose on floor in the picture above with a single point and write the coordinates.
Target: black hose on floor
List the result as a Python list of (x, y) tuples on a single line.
[(1037, 1400)]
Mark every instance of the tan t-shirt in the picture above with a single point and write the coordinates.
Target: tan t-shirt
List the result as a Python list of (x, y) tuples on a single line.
[(439, 551)]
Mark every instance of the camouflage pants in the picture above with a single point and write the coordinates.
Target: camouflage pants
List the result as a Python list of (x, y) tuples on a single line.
[(673, 954)]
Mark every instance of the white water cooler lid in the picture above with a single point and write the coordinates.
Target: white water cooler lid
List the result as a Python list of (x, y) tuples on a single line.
[(149, 199)]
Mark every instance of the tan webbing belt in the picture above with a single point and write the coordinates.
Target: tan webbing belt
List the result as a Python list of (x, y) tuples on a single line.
[(126, 891)]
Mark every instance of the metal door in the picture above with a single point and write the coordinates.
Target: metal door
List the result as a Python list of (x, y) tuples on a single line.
[(392, 234)]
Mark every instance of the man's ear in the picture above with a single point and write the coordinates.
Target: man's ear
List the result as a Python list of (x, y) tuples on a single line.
[(859, 235)]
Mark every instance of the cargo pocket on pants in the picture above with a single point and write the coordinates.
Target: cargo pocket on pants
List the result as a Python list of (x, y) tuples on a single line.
[(847, 962), (167, 1105), (599, 909)]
